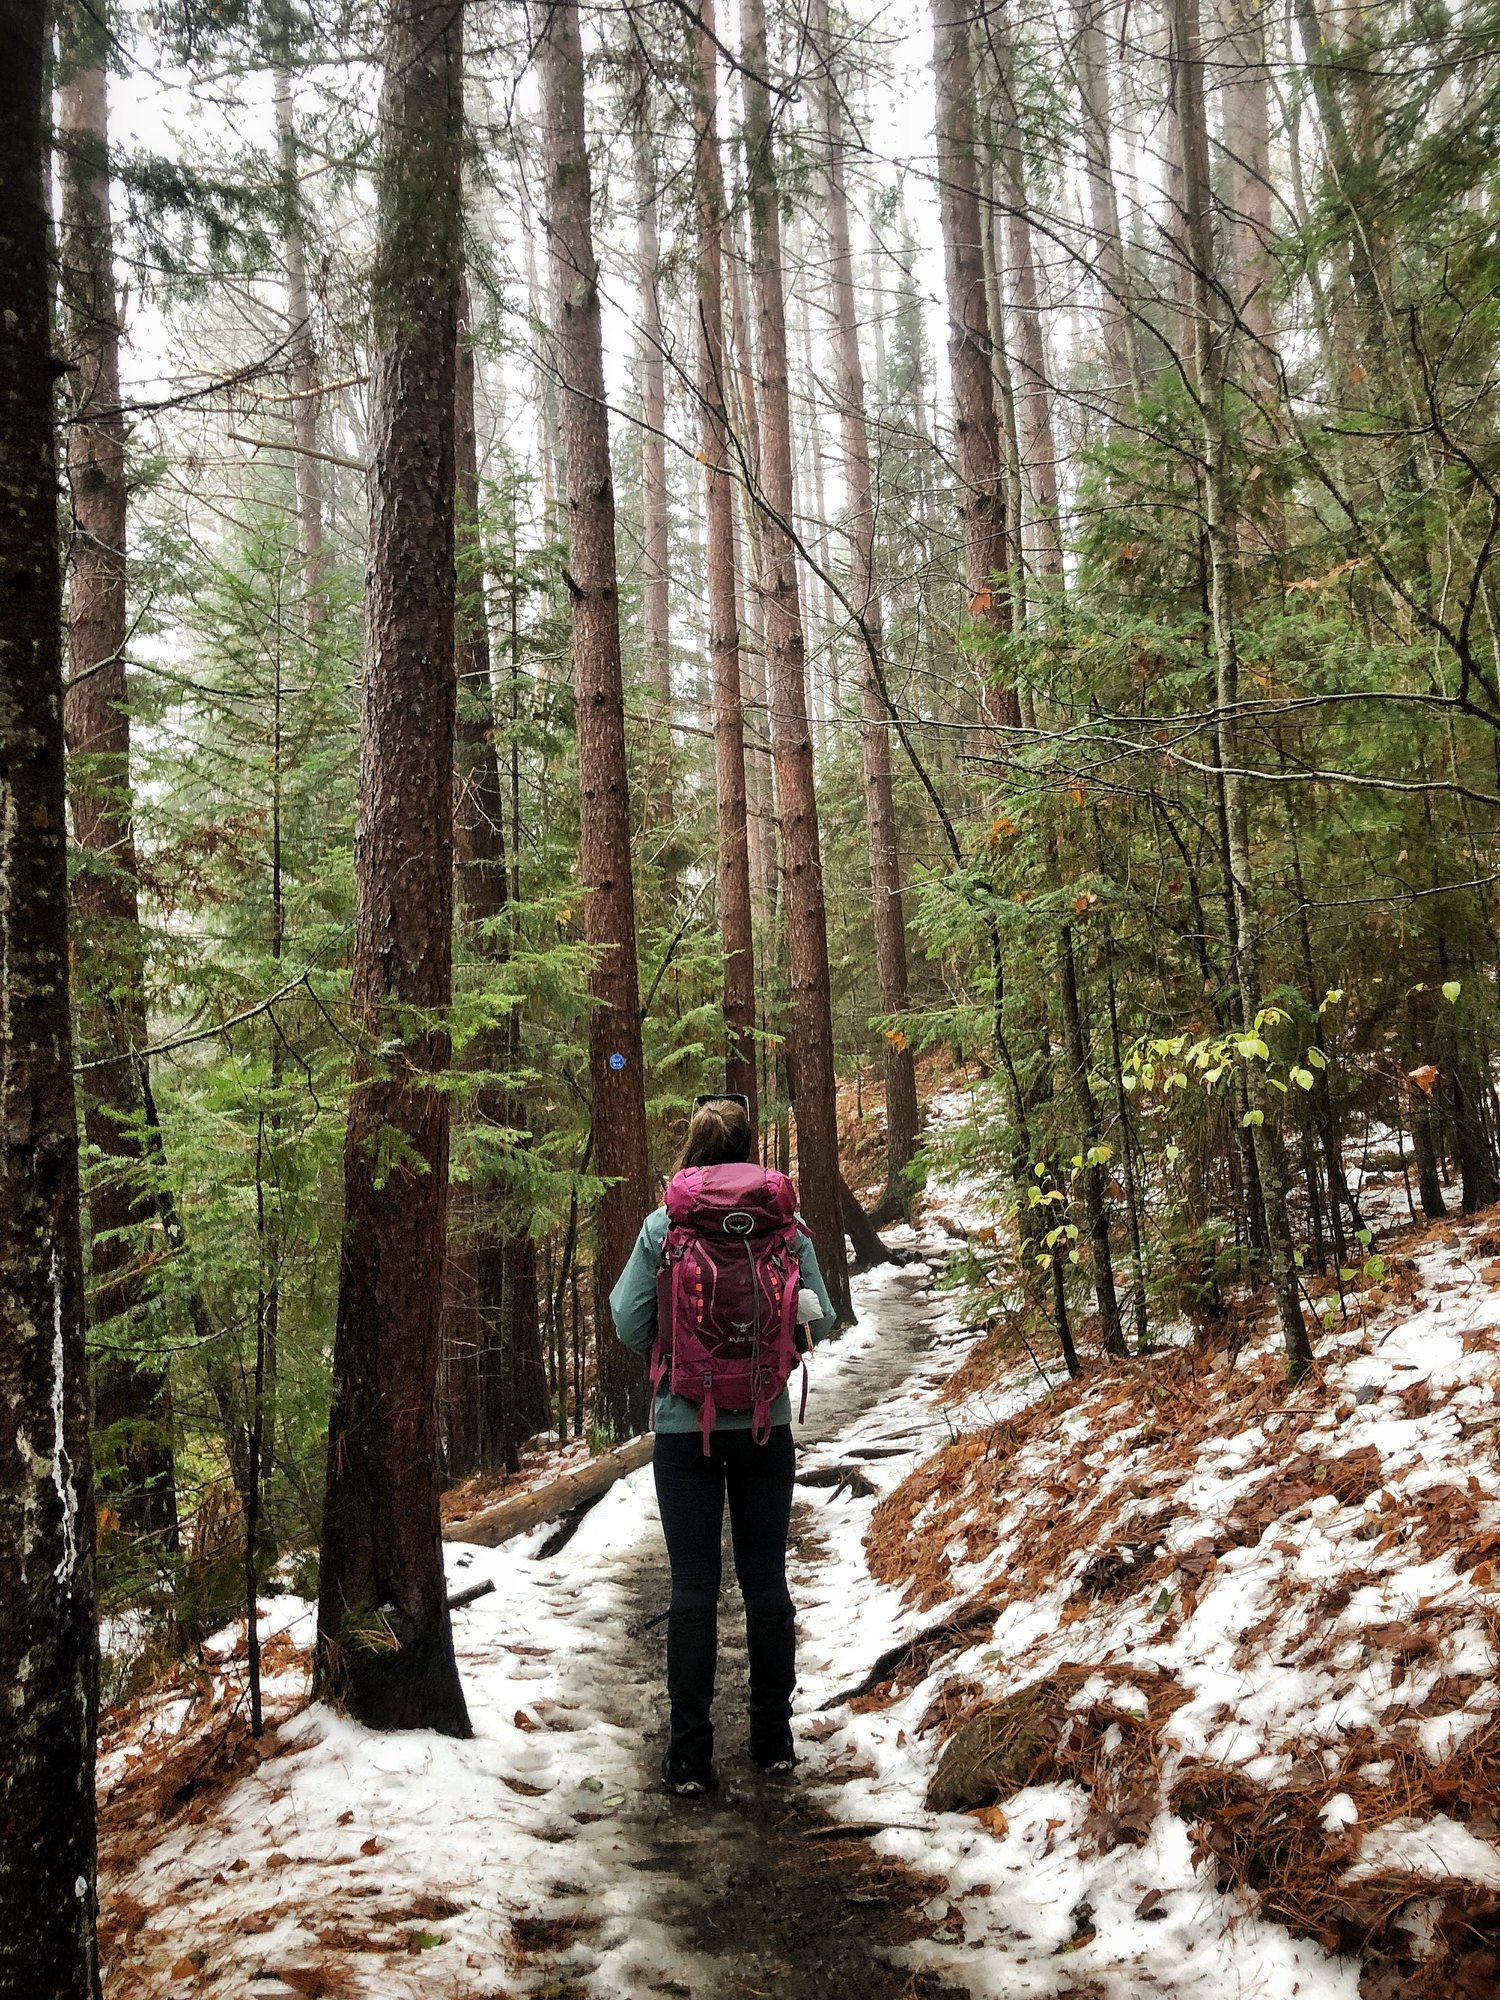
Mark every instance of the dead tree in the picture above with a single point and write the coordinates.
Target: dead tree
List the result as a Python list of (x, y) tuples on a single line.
[(656, 574), (302, 374)]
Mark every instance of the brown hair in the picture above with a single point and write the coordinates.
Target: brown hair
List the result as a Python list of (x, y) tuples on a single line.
[(718, 1135)]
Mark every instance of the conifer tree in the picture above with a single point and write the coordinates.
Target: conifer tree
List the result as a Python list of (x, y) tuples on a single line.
[(385, 1644), (616, 1084), (809, 1029), (132, 1398), (48, 1657), (719, 470)]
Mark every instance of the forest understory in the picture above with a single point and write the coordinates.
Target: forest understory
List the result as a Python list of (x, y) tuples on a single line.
[(1177, 1678)]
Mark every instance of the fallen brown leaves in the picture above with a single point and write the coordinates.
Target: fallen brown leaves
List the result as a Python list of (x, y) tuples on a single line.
[(1274, 1841), (1026, 1477), (1077, 1497), (182, 1778)]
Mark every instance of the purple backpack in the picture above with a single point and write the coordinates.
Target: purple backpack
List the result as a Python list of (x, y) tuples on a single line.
[(726, 1295)]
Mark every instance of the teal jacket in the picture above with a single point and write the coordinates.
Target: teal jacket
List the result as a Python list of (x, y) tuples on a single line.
[(633, 1304)]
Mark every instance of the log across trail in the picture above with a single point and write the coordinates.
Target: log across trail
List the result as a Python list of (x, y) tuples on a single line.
[(522, 1511)]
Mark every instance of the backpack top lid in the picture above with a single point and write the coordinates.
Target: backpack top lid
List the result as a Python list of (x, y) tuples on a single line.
[(731, 1200)]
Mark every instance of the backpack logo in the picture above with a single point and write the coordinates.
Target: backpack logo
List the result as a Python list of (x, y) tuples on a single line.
[(738, 1223)]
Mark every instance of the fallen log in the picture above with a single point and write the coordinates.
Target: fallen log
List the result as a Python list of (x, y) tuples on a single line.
[(509, 1518), (470, 1594)]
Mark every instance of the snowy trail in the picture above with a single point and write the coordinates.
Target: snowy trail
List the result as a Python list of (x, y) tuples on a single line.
[(746, 1898), (540, 1857)]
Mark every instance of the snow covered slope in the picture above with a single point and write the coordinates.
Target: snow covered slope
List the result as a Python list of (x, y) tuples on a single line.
[(1219, 1652), (1182, 1682)]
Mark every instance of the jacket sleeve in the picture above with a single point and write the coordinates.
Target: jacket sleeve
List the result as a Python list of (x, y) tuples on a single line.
[(812, 1277), (632, 1303)]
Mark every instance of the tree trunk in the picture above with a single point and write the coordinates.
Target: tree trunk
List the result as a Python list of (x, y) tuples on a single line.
[(880, 804), (385, 1644), (865, 1239), (1095, 1201), (745, 442), (809, 1028), (604, 866), (1247, 142), (302, 375), (993, 247), (504, 1332), (1244, 921), (48, 1656), (1104, 207), (1352, 182), (981, 476), (1038, 448), (132, 1399), (549, 422), (823, 663), (656, 572), (1429, 1174), (723, 591)]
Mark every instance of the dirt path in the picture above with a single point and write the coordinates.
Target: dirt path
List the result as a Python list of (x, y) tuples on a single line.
[(758, 1888)]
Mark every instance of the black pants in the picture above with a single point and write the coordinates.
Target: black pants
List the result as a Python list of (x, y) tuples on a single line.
[(690, 1490)]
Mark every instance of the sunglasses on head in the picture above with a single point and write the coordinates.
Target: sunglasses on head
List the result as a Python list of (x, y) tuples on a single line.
[(723, 1097)]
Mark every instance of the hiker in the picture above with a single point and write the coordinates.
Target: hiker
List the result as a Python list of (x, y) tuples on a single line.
[(724, 1294)]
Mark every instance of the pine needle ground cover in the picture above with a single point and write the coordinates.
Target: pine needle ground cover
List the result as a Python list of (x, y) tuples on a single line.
[(1192, 1651)]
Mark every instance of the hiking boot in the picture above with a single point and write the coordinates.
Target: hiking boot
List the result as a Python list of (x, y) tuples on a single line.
[(686, 1784), (776, 1759)]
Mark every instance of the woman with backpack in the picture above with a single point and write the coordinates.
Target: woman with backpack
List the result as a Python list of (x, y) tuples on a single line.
[(723, 1293)]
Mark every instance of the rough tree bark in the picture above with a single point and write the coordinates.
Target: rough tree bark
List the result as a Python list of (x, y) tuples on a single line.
[(1208, 351), (735, 912), (810, 1025), (976, 433), (655, 550), (503, 1333), (875, 744), (619, 1107), (48, 1659), (385, 1644), (132, 1399)]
